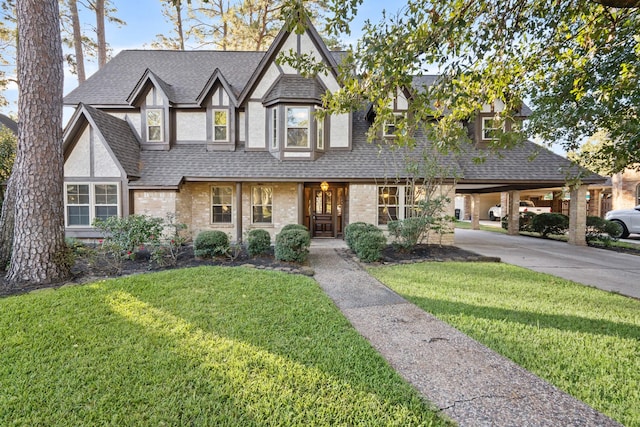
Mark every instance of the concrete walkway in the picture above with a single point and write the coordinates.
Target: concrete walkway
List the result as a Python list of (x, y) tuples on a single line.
[(604, 269), (471, 384)]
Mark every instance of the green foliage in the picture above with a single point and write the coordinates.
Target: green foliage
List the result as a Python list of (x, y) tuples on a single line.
[(353, 231), (292, 245), (408, 232), (211, 243), (550, 223), (171, 244), (370, 244), (131, 232), (200, 346), (8, 144), (602, 230), (580, 339), (258, 242), (295, 227), (525, 221)]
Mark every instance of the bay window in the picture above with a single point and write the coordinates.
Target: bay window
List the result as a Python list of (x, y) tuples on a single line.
[(297, 127)]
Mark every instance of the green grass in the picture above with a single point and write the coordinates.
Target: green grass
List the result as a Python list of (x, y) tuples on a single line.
[(583, 340), (466, 225), (203, 346)]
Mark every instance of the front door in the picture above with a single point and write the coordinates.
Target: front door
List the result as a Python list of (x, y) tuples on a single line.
[(324, 210)]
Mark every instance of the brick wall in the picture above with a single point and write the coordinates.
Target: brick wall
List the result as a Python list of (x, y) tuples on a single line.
[(624, 189)]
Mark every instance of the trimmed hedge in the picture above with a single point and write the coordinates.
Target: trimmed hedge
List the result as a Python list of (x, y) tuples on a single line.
[(602, 230), (352, 232), (294, 227), (292, 244), (258, 242), (211, 243), (370, 244), (550, 223)]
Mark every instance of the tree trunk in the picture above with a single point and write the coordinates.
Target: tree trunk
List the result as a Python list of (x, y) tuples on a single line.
[(6, 224), (39, 249), (179, 28), (100, 33), (77, 40)]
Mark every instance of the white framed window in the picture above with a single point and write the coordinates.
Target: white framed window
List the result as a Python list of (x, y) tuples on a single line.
[(298, 127), (389, 127), (274, 128), (85, 203), (262, 205), (399, 202), (154, 125), (220, 125), (221, 204), (388, 204), (491, 128), (320, 133)]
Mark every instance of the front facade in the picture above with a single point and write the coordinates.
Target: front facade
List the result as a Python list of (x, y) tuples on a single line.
[(231, 141)]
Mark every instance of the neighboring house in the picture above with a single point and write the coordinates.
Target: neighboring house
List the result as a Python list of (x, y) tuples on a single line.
[(625, 189), (9, 123), (229, 141)]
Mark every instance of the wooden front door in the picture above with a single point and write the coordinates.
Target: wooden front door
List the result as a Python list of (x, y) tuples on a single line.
[(324, 210)]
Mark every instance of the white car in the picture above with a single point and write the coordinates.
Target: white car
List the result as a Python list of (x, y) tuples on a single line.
[(629, 219)]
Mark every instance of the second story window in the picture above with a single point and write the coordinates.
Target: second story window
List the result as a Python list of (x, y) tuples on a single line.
[(274, 128), (297, 127), (491, 128), (390, 126), (154, 125), (220, 125), (320, 133)]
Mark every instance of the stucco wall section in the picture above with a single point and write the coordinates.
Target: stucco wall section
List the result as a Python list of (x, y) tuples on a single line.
[(256, 136), (135, 118), (624, 189), (103, 164), (79, 162), (191, 126), (340, 131)]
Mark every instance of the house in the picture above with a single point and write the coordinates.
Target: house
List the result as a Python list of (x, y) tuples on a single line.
[(229, 141)]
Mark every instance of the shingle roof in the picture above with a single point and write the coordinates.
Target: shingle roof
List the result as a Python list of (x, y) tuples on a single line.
[(7, 122), (120, 138), (289, 87), (187, 72)]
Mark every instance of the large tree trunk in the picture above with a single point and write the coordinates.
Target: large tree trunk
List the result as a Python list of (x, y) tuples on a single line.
[(7, 218), (77, 40), (100, 33), (38, 255)]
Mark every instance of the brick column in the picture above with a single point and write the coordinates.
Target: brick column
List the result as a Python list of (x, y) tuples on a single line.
[(578, 216), (514, 212), (475, 212)]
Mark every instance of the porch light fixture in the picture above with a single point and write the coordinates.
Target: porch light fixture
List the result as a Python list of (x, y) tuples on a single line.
[(324, 186)]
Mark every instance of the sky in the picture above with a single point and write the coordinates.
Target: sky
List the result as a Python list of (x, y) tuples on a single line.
[(144, 20)]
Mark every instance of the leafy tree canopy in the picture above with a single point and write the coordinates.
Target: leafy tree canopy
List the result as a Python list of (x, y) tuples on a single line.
[(576, 62)]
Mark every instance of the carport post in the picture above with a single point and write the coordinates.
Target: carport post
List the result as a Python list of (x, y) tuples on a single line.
[(578, 216), (514, 213), (475, 211)]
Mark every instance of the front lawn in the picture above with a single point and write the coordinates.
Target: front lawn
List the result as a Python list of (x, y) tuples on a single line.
[(201, 346), (583, 340)]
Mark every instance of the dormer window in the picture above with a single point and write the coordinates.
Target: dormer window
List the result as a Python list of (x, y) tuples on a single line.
[(491, 128), (154, 125), (220, 125), (390, 126), (298, 127)]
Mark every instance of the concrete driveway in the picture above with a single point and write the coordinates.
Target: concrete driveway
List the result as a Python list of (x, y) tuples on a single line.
[(607, 270)]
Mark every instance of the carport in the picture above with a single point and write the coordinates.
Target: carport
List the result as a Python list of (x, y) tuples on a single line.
[(526, 167)]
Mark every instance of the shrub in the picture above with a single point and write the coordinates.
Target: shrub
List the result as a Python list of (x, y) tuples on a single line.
[(550, 223), (525, 221), (409, 232), (258, 242), (370, 244), (129, 233), (599, 229), (292, 245), (352, 231), (167, 250), (211, 243), (294, 227)]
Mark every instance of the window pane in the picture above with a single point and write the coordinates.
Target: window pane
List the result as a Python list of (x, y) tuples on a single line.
[(222, 195), (262, 214), (297, 138), (104, 212), (220, 133), (155, 133), (78, 194), (154, 125), (298, 117), (106, 194), (274, 129), (320, 137), (222, 214), (78, 215), (261, 204), (220, 118), (388, 205), (221, 204)]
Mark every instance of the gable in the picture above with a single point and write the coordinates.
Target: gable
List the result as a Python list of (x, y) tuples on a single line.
[(89, 158)]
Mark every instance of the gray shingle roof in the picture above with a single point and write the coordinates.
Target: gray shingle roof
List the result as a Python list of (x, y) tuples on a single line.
[(121, 139), (289, 87), (7, 122), (187, 72)]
